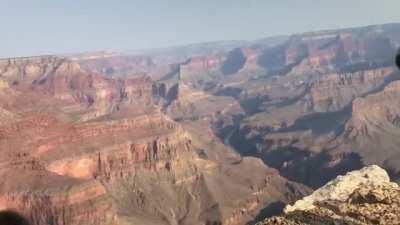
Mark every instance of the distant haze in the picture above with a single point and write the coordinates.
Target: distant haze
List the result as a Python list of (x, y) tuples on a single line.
[(34, 27)]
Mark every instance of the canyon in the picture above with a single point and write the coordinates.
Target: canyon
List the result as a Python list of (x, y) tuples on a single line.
[(80, 148), (220, 133)]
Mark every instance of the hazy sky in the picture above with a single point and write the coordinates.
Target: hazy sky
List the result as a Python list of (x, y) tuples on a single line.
[(32, 27)]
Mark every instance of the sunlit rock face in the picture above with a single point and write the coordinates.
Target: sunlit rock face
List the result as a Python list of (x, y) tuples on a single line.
[(360, 197), (78, 147), (299, 103), (342, 187)]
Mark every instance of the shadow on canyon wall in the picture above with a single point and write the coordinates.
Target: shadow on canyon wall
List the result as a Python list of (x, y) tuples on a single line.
[(234, 62), (273, 209)]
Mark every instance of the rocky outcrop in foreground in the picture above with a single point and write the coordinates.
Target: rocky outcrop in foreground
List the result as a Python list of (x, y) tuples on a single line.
[(360, 197)]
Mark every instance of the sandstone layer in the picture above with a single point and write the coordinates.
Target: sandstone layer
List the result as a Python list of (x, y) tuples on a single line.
[(78, 147)]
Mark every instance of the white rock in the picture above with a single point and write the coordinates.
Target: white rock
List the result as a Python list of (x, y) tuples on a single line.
[(342, 187)]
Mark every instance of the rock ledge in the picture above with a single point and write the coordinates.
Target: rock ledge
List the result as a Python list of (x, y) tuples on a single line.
[(362, 197)]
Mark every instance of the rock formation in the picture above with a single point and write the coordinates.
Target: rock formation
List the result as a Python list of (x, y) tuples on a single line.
[(111, 138), (81, 148), (323, 106), (360, 197)]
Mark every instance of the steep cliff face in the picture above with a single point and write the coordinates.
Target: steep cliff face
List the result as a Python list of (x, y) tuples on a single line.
[(328, 51), (201, 64), (329, 93), (301, 118), (382, 110), (294, 103), (373, 128), (335, 91), (116, 65), (80, 148), (238, 61), (321, 101), (326, 128), (360, 197), (66, 81), (194, 104), (145, 170)]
